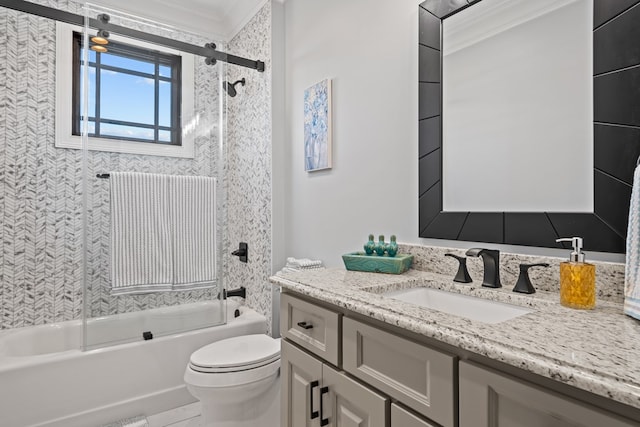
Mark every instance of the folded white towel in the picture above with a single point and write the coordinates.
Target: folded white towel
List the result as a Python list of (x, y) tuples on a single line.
[(303, 263), (293, 265), (192, 202), (632, 267), (141, 242)]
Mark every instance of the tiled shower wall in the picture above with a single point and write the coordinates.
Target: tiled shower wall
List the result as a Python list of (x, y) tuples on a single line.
[(249, 163), (41, 186)]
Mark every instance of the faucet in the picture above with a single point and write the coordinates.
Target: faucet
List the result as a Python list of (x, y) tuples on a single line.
[(491, 260)]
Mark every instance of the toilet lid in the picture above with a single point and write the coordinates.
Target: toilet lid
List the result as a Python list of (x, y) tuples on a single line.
[(237, 353)]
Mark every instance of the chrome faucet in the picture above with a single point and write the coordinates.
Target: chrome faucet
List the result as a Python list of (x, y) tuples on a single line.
[(491, 260)]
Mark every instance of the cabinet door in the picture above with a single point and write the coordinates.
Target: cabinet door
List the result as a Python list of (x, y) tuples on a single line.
[(346, 403), (492, 399), (420, 377), (402, 418), (300, 394)]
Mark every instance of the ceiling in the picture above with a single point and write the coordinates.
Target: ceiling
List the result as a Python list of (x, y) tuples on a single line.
[(218, 19)]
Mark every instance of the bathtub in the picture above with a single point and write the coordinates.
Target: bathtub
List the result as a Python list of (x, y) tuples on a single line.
[(46, 380)]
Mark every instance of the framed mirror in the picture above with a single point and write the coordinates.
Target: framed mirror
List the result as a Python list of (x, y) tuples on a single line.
[(612, 142)]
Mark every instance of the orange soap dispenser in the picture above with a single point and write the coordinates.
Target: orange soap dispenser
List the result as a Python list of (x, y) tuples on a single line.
[(577, 278)]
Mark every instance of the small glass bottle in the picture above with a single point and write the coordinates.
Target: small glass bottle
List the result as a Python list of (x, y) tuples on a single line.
[(577, 279), (392, 246), (370, 246), (380, 246)]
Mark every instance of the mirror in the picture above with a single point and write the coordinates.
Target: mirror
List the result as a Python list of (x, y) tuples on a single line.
[(607, 165), (505, 62)]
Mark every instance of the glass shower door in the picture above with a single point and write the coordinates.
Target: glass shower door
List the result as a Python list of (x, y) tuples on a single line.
[(151, 129)]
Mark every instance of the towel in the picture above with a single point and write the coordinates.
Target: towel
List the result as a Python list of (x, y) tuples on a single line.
[(192, 211), (294, 265), (163, 233), (632, 267), (141, 241)]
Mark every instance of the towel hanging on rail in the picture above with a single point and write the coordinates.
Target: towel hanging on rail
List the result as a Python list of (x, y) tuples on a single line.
[(192, 201), (163, 232), (632, 267), (141, 242)]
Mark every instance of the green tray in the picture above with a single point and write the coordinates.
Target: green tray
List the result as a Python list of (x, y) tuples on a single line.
[(360, 261)]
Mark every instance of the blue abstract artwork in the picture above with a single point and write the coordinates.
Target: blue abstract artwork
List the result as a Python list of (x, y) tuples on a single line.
[(317, 126)]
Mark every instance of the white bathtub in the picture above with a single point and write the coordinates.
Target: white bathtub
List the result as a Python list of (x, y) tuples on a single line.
[(46, 380)]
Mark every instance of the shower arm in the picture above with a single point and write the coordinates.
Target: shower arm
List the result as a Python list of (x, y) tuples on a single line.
[(207, 51)]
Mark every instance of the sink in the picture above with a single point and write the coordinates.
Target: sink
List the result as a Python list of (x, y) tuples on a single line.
[(472, 308)]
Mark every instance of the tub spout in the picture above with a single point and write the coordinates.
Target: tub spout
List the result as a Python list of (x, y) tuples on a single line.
[(240, 292)]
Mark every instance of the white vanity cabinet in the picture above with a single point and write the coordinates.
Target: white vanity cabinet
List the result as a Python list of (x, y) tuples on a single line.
[(316, 393), (489, 398), (340, 371)]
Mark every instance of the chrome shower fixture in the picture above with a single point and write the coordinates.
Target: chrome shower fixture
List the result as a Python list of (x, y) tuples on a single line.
[(230, 88)]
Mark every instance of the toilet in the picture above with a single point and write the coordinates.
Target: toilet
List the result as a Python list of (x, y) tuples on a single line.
[(237, 382)]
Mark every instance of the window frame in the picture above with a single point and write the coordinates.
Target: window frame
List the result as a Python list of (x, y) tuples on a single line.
[(154, 57), (65, 102)]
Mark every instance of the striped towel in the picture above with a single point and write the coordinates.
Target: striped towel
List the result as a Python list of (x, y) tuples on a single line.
[(632, 267), (192, 209), (141, 243), (162, 232)]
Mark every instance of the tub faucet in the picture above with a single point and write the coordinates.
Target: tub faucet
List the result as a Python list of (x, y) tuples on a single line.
[(491, 261)]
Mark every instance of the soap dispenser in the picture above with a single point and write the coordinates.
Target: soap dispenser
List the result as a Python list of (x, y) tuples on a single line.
[(577, 278)]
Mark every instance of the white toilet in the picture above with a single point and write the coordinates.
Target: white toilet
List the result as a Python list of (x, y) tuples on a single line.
[(237, 382)]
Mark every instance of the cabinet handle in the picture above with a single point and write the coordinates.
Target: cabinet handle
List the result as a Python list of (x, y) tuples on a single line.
[(305, 325), (314, 384), (323, 421)]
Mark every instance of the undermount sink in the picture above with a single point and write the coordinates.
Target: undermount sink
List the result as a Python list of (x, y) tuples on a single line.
[(472, 308)]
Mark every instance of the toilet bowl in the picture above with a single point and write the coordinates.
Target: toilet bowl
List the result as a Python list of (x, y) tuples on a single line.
[(236, 381)]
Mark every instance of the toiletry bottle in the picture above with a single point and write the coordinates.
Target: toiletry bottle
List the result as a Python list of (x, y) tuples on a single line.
[(380, 246), (392, 246), (577, 278), (370, 246)]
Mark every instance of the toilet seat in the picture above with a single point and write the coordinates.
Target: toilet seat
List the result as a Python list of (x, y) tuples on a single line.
[(236, 354), (234, 361)]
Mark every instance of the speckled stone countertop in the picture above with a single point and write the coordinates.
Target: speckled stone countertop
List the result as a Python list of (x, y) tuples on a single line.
[(595, 350)]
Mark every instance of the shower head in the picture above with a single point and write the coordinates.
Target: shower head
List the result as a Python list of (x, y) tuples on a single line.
[(230, 88)]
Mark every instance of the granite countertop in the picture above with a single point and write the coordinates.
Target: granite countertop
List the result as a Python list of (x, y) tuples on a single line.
[(595, 350)]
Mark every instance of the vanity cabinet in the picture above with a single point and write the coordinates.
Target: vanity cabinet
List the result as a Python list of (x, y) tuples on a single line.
[(490, 398), (338, 371), (314, 394)]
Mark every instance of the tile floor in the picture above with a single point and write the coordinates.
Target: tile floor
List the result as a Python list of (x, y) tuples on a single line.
[(178, 417)]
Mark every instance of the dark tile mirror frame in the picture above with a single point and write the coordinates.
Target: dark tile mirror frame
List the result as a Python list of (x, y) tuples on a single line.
[(616, 49)]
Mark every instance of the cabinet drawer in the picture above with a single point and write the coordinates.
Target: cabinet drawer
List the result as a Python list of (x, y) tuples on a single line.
[(402, 418), (312, 327), (420, 377)]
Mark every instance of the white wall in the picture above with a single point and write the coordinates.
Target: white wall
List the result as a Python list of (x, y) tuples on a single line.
[(370, 50)]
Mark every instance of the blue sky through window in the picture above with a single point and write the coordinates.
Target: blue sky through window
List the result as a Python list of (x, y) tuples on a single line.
[(128, 97)]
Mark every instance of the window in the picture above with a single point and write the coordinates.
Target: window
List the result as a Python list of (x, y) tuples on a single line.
[(140, 96), (134, 93)]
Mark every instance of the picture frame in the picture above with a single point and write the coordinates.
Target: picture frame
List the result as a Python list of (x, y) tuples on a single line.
[(317, 127)]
